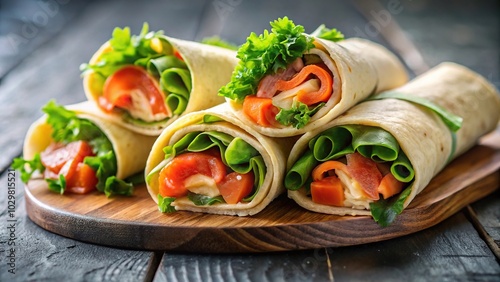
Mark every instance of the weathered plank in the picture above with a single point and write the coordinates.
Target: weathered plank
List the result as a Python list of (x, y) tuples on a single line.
[(27, 25), (450, 251), (41, 255), (485, 214), (283, 225), (298, 266)]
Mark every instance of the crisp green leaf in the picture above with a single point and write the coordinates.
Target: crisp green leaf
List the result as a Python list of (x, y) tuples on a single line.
[(298, 116), (164, 204), (336, 142), (57, 185), (297, 176), (126, 49), (265, 54), (237, 154), (28, 167), (371, 142), (67, 127), (202, 200), (115, 186), (211, 119), (328, 34), (384, 212), (217, 41)]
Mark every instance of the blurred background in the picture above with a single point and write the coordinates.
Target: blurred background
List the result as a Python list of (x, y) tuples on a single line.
[(43, 42), (423, 32)]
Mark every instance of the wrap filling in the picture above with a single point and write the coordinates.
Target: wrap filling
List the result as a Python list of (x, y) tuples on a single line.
[(142, 77), (282, 78)]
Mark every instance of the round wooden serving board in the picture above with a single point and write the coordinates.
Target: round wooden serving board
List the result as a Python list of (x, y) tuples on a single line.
[(135, 222)]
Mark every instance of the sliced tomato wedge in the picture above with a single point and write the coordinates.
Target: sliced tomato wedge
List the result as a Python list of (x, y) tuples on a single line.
[(173, 175), (119, 86), (82, 181), (67, 160), (57, 155), (365, 172), (236, 186)]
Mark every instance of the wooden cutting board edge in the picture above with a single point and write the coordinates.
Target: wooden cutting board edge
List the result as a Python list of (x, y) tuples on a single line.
[(427, 210)]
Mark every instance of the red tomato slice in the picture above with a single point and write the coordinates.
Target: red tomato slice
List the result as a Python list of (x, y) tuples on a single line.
[(57, 155), (328, 191), (173, 175), (67, 160), (69, 171), (119, 85), (236, 186), (365, 172), (82, 181)]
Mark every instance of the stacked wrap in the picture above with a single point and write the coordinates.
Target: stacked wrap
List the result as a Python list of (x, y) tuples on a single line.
[(195, 70), (359, 67), (130, 149), (220, 119), (422, 135)]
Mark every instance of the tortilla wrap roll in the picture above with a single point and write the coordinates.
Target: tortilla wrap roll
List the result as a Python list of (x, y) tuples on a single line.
[(147, 81), (405, 136), (288, 82), (211, 162), (88, 152)]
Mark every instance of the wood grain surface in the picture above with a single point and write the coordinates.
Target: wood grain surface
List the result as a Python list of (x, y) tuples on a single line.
[(135, 222), (460, 248)]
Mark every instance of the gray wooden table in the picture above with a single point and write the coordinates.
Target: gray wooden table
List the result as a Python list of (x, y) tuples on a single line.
[(42, 44)]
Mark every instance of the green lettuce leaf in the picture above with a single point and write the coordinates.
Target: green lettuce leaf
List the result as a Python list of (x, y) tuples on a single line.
[(370, 142), (328, 34), (28, 167), (164, 204), (384, 211), (265, 54), (127, 49), (237, 154), (298, 116), (173, 74), (217, 41), (202, 200), (57, 185), (67, 127)]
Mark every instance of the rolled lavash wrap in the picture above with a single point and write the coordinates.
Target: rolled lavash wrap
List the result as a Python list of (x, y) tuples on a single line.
[(222, 182), (113, 155), (408, 132), (288, 82), (149, 80)]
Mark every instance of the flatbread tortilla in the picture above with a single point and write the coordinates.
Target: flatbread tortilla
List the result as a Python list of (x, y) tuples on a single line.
[(422, 135), (359, 67), (131, 149), (273, 151), (210, 68)]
